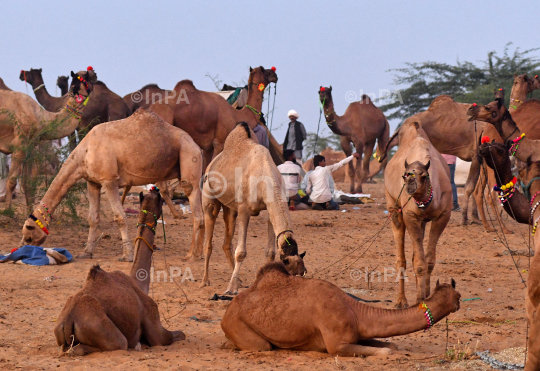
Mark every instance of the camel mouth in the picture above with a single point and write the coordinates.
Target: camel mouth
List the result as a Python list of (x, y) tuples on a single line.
[(472, 117)]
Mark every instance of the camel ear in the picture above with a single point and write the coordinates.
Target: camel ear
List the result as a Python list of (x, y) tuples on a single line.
[(72, 74), (529, 161), (285, 261), (141, 197), (303, 254), (250, 69), (453, 283), (437, 284), (515, 75), (406, 164), (40, 70), (262, 68), (427, 165)]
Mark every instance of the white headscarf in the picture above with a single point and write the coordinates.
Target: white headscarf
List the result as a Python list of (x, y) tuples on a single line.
[(292, 113)]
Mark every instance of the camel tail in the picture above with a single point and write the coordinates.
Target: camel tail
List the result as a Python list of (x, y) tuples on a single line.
[(126, 190), (385, 153)]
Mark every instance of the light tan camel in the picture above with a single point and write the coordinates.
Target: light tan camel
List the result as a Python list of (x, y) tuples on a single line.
[(315, 315), (244, 180), (22, 119), (209, 118), (362, 124), (138, 150), (113, 310), (523, 85), (3, 86), (417, 187)]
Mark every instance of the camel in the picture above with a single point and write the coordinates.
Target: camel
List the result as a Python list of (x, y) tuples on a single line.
[(3, 86), (113, 310), (522, 86), (63, 83), (244, 180), (146, 96), (34, 78), (362, 124), (138, 150), (22, 120), (315, 315), (426, 179), (209, 118)]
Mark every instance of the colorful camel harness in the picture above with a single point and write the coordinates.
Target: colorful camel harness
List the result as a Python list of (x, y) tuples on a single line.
[(515, 144), (38, 222), (426, 203), (427, 314), (533, 209), (506, 191)]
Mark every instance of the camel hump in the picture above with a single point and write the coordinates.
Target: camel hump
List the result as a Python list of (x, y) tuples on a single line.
[(151, 86), (277, 267), (184, 84), (95, 272), (441, 99), (238, 139), (246, 128)]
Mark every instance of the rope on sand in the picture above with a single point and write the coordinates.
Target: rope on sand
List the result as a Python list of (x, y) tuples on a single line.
[(498, 365)]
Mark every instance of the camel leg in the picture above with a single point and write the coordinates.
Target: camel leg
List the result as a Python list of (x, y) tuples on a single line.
[(153, 331), (211, 211), (111, 190), (243, 337), (347, 149), (355, 350), (270, 250), (194, 194), (378, 344), (126, 190), (166, 196), (94, 196), (358, 168), (240, 253), (437, 228), (470, 184), (368, 152), (416, 233), (229, 216), (479, 198), (17, 159)]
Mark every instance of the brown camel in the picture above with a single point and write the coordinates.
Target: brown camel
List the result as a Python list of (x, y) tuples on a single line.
[(3, 86), (421, 171), (523, 86), (138, 150), (50, 103), (22, 119), (146, 96), (362, 124), (315, 315), (209, 118), (445, 123), (113, 310), (63, 83), (244, 180)]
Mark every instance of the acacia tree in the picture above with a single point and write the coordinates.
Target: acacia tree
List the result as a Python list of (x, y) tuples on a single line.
[(465, 82)]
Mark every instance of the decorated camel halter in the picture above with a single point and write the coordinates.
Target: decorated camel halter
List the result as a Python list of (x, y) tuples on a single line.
[(39, 87), (506, 191), (426, 203), (326, 115), (515, 144), (38, 222), (258, 115), (427, 313)]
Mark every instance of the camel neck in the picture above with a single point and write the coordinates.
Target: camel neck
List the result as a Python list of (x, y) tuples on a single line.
[(383, 323), (64, 122), (508, 130), (140, 270), (250, 114), (334, 122), (517, 98), (50, 103)]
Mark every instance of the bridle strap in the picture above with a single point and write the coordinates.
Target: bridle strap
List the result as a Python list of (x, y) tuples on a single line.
[(516, 129), (280, 233), (146, 242)]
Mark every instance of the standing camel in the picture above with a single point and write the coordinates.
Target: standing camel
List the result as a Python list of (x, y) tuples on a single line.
[(244, 180), (35, 79), (418, 190), (146, 96), (209, 118), (22, 119), (63, 83), (523, 85), (138, 150), (362, 124), (113, 310), (283, 311)]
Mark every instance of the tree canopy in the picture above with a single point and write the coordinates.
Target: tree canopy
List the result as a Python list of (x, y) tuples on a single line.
[(465, 82)]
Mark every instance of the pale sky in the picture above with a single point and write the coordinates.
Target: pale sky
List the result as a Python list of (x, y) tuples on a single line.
[(347, 44)]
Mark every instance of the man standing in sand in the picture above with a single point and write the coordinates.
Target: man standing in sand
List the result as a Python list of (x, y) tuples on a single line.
[(296, 134)]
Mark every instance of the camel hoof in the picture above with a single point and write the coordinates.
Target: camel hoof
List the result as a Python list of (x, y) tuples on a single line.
[(138, 347), (228, 345), (126, 259), (178, 336), (231, 292), (383, 352), (85, 255), (205, 283)]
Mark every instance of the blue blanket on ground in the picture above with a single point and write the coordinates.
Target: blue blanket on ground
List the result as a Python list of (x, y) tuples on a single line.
[(36, 255)]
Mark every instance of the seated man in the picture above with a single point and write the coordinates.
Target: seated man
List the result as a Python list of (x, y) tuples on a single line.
[(318, 187), (292, 174)]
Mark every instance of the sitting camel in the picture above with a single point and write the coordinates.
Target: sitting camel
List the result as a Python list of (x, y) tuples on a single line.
[(244, 180), (113, 310), (421, 171), (138, 150), (22, 119), (315, 315)]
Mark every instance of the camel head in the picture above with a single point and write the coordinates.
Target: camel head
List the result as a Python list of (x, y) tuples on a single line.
[(325, 95), (62, 82), (80, 85), (416, 178), (295, 264), (32, 233), (495, 154), (524, 85), (447, 294), (259, 75), (494, 113), (499, 93), (32, 76), (152, 203)]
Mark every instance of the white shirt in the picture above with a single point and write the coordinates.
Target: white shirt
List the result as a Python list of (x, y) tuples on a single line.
[(292, 175), (318, 187)]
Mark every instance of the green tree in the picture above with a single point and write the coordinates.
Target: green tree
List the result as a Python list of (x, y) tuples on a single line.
[(465, 82)]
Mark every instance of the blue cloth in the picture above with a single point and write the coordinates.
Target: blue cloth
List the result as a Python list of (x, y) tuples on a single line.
[(33, 255), (454, 188)]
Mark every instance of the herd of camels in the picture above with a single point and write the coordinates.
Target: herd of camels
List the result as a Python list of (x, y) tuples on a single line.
[(132, 143)]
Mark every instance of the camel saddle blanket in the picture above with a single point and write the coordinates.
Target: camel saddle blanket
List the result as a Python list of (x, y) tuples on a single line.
[(36, 255)]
